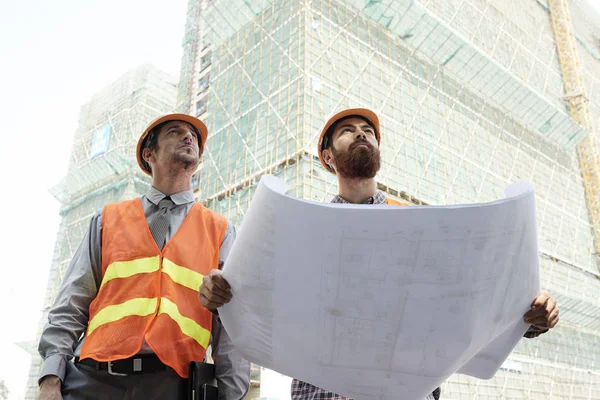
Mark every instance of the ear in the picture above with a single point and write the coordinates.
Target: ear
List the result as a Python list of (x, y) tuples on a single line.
[(329, 158), (147, 155)]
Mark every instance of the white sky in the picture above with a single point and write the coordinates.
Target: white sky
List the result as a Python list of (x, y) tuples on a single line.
[(54, 55)]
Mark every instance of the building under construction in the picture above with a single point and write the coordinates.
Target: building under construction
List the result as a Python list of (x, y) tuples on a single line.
[(472, 95), (102, 169)]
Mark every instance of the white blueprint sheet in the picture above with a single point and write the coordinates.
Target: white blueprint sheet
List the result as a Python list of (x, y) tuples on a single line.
[(381, 302)]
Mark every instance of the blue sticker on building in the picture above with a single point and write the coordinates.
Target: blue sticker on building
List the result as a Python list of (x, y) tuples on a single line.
[(100, 141)]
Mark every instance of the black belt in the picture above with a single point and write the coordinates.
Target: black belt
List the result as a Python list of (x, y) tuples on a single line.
[(129, 366)]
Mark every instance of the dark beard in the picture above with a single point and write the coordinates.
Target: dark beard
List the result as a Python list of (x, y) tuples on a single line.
[(358, 162), (186, 161)]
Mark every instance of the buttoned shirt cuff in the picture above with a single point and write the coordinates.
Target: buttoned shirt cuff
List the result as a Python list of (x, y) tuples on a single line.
[(56, 364)]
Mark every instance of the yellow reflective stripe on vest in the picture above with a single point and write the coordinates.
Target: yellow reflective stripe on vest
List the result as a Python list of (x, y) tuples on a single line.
[(145, 306), (140, 307), (125, 269), (183, 276), (187, 325)]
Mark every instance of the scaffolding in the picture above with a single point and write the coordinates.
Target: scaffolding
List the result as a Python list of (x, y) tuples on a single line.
[(579, 107), (102, 169), (470, 95), (190, 55)]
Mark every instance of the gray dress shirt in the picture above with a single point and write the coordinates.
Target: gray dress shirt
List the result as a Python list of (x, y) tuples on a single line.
[(63, 335)]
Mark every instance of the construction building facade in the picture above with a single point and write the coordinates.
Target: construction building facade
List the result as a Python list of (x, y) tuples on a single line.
[(471, 94), (102, 169)]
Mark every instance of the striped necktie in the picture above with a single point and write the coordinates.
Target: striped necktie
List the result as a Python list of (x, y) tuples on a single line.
[(161, 221)]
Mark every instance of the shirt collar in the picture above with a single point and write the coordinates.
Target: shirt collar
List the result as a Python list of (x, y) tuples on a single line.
[(377, 198), (155, 196)]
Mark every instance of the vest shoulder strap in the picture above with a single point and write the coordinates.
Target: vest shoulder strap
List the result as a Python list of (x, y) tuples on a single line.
[(213, 215)]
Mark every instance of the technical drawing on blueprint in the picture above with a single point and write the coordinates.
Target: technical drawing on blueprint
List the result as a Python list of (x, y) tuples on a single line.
[(376, 301)]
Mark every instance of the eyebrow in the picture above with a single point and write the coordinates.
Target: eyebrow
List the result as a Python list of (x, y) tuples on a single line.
[(346, 126), (363, 126), (178, 126)]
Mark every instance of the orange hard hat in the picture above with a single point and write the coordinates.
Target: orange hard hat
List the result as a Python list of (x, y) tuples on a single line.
[(195, 122), (364, 113)]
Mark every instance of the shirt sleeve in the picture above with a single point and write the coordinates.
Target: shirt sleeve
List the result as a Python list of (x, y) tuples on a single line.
[(534, 332), (231, 369), (68, 318)]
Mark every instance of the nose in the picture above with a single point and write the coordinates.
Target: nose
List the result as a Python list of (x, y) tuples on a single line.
[(361, 134), (188, 138)]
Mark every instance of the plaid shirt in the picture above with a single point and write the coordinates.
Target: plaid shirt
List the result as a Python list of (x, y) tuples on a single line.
[(306, 391), (377, 198)]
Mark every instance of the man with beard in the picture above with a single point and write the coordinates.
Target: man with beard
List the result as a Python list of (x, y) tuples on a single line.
[(128, 310), (349, 148)]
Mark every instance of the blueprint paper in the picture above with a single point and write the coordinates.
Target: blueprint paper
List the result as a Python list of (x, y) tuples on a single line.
[(381, 302)]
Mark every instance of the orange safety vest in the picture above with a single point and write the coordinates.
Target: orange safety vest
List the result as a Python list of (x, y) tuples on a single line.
[(153, 295)]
